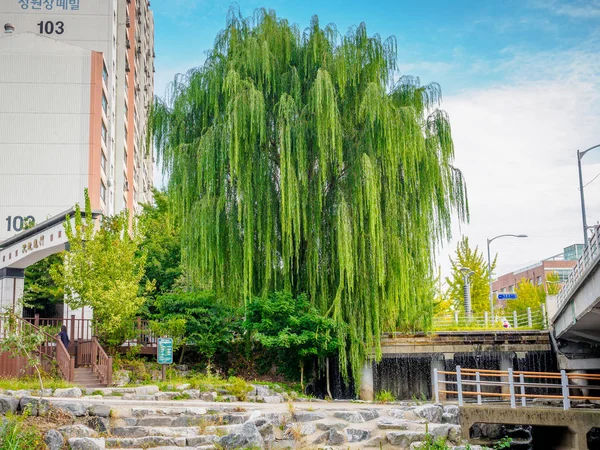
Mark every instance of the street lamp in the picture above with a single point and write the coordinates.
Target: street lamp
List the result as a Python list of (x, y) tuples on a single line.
[(489, 241), (579, 156), (467, 273)]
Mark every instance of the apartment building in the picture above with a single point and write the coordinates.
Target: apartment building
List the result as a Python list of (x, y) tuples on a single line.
[(76, 87)]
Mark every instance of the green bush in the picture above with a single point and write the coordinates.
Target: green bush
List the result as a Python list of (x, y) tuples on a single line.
[(16, 435), (385, 397)]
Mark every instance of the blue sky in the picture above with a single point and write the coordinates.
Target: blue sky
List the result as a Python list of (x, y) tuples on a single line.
[(521, 83)]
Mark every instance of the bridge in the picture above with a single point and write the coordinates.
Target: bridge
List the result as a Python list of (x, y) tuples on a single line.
[(576, 321)]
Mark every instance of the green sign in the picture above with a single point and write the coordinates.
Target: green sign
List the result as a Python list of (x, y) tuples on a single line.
[(165, 351)]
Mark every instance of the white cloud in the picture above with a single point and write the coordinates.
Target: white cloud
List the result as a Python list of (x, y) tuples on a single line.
[(578, 9), (516, 144)]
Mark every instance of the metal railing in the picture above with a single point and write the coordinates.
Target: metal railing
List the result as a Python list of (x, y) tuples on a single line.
[(530, 319), (511, 385), (588, 260)]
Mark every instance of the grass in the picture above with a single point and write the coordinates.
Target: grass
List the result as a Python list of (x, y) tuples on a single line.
[(15, 434), (31, 384), (385, 397)]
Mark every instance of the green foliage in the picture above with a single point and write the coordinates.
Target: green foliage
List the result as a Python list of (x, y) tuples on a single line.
[(160, 243), (503, 443), (474, 260), (292, 325), (239, 388), (529, 295), (103, 270), (172, 327), (298, 161), (552, 283), (385, 397), (41, 292), (209, 325), (15, 434)]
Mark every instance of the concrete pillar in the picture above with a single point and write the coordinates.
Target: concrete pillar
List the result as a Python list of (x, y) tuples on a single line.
[(506, 362), (582, 383), (438, 362), (12, 283), (366, 383)]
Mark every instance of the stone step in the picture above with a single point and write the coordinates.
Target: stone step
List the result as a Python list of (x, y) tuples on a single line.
[(146, 442), (184, 420)]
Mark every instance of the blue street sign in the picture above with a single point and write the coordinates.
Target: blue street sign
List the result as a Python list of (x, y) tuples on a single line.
[(509, 296), (164, 353)]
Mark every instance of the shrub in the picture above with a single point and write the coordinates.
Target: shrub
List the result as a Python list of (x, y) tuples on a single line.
[(385, 397)]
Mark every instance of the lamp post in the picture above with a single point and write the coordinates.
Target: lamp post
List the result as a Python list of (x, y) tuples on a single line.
[(489, 241), (579, 156), (467, 273)]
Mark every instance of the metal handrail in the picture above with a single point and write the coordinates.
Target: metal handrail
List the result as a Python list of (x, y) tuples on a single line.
[(587, 260), (529, 319), (509, 377)]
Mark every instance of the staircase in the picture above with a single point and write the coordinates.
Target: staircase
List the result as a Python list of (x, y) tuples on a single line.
[(85, 377)]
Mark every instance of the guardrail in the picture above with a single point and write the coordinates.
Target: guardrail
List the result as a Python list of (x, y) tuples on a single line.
[(473, 382), (588, 260), (536, 319)]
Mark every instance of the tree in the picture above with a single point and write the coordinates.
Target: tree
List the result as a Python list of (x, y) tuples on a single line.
[(480, 288), (160, 243), (41, 292), (298, 161), (553, 283), (292, 325), (102, 270), (529, 295)]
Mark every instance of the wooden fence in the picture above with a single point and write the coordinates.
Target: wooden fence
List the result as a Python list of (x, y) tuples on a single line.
[(509, 385)]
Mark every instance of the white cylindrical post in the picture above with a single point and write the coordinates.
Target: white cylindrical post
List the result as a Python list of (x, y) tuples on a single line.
[(529, 321), (478, 381), (459, 386), (485, 318), (544, 321), (456, 317), (436, 386), (523, 399), (515, 321), (564, 381), (511, 386)]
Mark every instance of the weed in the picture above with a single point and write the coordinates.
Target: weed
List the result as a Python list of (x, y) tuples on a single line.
[(96, 392), (291, 408), (385, 397), (239, 409), (503, 443), (16, 435), (182, 396)]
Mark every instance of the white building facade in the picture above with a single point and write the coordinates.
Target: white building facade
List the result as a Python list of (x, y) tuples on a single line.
[(76, 86)]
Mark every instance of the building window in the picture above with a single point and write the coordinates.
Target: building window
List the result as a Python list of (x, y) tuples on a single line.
[(539, 281), (104, 73), (104, 103), (103, 162), (511, 288), (102, 191), (103, 133)]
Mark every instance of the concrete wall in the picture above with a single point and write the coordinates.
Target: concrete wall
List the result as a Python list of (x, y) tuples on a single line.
[(45, 117)]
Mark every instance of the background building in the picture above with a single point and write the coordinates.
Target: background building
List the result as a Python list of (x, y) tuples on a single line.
[(76, 86), (562, 264)]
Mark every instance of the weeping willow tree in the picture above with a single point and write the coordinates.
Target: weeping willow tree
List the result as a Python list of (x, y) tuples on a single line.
[(300, 161)]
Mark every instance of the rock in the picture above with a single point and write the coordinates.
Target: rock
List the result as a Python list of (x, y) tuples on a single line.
[(331, 437), (438, 430), (183, 387), (455, 434), (260, 391), (24, 393), (350, 416), (405, 438), (166, 396), (99, 424), (121, 378), (398, 413), (377, 442), (356, 435), (54, 440), (34, 406), (285, 444), (279, 419), (273, 399), (78, 431), (392, 424), (198, 441), (308, 416), (469, 447), (86, 444), (99, 410), (147, 390), (265, 428), (76, 409), (431, 413), (417, 445), (73, 392), (246, 435), (294, 430), (369, 414), (486, 430), (329, 424), (208, 396), (8, 404), (451, 414), (192, 393)]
